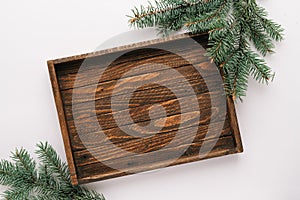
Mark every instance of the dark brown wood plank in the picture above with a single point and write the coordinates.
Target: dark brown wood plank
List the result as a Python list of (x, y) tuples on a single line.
[(116, 135), (140, 114), (209, 114), (145, 145), (115, 70), (104, 89), (92, 172)]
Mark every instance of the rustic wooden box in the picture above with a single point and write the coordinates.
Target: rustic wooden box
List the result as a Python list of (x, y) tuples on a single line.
[(84, 89)]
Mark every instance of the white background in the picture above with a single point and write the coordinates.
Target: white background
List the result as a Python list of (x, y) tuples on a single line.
[(34, 31)]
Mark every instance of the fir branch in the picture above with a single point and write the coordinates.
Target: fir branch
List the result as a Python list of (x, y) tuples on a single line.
[(25, 163), (51, 180), (274, 30), (233, 25), (7, 173), (159, 8), (259, 70), (49, 158), (208, 17)]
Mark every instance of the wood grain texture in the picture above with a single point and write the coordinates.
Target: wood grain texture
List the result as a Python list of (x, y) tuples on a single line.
[(119, 107)]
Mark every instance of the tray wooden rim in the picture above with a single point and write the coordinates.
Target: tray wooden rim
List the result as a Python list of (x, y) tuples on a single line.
[(122, 48)]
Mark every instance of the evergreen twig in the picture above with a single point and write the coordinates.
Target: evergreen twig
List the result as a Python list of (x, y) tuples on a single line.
[(233, 26), (49, 181)]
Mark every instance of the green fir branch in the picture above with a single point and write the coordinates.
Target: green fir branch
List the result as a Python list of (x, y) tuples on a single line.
[(48, 181), (234, 27)]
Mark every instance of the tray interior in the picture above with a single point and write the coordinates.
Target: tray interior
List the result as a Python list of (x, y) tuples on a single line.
[(120, 107)]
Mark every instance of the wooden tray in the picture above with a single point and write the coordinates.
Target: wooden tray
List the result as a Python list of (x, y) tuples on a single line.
[(141, 107)]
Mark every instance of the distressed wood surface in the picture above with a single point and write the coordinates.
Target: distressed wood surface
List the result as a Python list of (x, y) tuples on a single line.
[(86, 101)]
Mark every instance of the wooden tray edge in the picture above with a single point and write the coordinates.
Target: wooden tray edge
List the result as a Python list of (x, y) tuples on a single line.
[(234, 125), (124, 47), (62, 121)]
